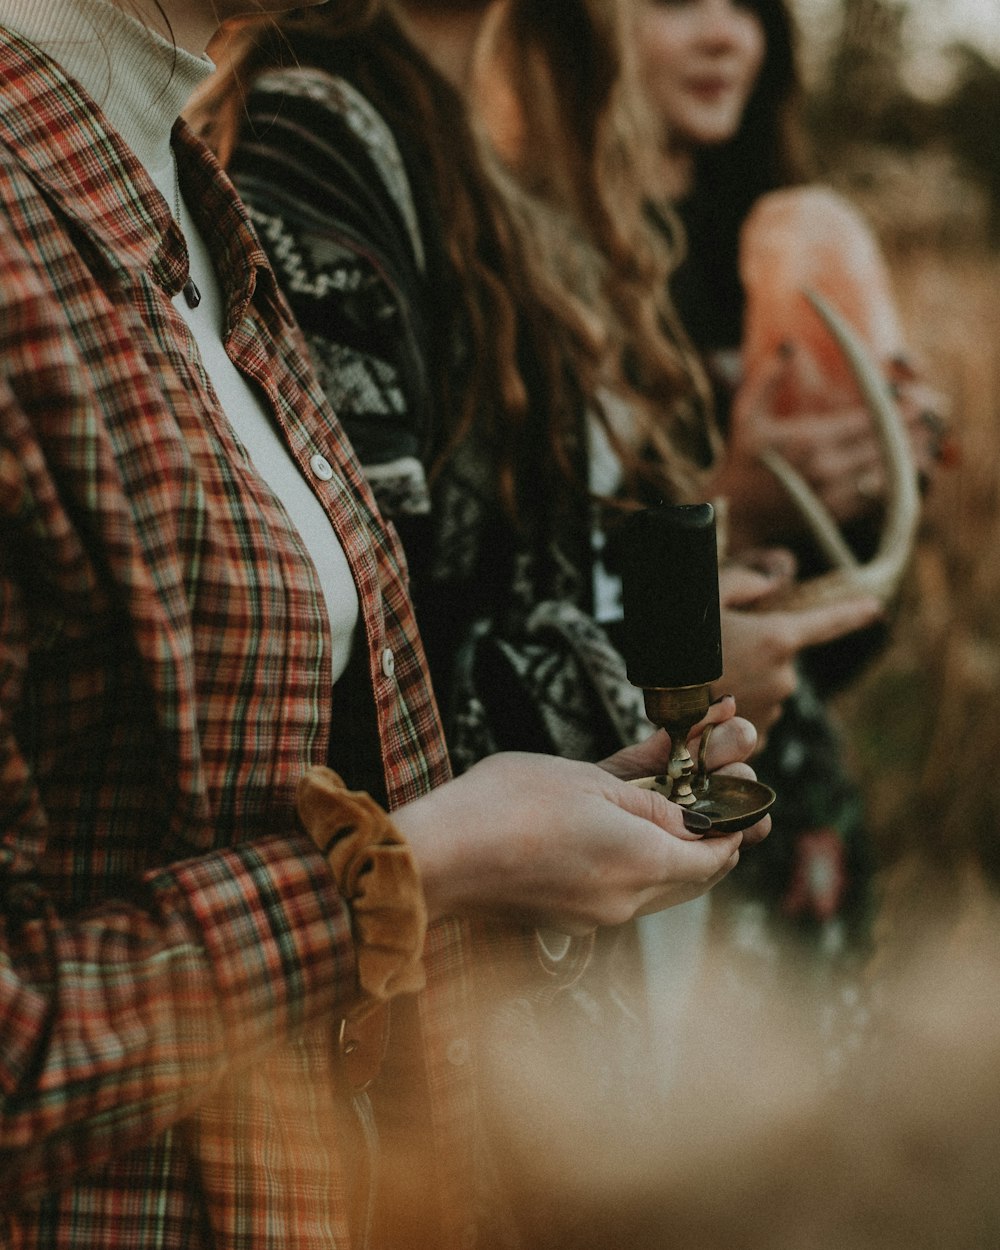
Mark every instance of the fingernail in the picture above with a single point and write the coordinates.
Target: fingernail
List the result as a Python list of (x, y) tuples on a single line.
[(721, 699), (696, 822)]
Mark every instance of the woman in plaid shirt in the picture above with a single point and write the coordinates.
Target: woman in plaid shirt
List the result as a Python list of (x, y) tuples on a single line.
[(200, 608)]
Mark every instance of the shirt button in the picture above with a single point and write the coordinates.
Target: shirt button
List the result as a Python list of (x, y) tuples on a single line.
[(388, 662), (458, 1052), (321, 467)]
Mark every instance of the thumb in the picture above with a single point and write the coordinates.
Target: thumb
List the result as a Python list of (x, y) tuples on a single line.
[(740, 586)]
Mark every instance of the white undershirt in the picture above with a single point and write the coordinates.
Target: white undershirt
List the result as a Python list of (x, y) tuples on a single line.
[(253, 424), (150, 84), (605, 477)]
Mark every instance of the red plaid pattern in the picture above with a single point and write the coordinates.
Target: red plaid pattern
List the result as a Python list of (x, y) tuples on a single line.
[(172, 951)]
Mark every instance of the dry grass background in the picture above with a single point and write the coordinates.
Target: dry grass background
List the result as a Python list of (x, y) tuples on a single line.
[(923, 722)]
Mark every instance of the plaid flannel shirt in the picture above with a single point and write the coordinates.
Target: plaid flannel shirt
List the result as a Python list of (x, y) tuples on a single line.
[(172, 950)]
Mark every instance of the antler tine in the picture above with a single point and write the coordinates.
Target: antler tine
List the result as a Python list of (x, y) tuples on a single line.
[(881, 575), (817, 518)]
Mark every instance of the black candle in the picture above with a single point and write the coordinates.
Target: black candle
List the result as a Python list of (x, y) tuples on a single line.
[(670, 587)]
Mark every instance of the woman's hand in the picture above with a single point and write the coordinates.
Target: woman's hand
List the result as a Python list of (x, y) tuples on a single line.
[(565, 845), (926, 412), (760, 648), (834, 449), (831, 442)]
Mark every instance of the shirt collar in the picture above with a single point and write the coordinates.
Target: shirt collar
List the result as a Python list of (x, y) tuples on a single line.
[(62, 139), (244, 269)]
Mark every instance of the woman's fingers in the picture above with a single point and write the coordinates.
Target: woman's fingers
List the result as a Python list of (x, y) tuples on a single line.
[(810, 627), (777, 563), (709, 862), (741, 585), (652, 755), (730, 744), (761, 649)]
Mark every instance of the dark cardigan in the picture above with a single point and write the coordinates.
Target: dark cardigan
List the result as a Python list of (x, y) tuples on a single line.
[(343, 205)]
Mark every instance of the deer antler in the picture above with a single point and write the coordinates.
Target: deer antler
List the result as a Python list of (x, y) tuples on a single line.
[(882, 574)]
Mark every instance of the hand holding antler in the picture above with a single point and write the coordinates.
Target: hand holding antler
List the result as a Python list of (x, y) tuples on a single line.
[(882, 574), (832, 443), (761, 644)]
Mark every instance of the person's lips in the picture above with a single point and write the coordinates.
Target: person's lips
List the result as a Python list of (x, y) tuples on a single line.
[(709, 88)]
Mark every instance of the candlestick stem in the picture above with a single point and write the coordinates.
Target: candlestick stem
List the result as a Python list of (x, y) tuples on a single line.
[(677, 709)]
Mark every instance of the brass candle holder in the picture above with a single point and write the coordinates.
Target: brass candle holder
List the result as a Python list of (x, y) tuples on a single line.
[(673, 651)]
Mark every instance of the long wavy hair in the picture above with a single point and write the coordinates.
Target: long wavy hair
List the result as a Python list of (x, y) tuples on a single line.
[(584, 165), (558, 284)]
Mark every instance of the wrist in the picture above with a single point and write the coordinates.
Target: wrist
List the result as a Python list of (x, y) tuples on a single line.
[(422, 822)]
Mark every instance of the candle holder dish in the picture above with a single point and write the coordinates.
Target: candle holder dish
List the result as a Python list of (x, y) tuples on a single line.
[(730, 803)]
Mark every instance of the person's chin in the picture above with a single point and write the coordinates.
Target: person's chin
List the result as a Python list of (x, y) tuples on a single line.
[(708, 129)]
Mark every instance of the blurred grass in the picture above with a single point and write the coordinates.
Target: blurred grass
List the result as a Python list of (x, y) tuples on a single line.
[(924, 723)]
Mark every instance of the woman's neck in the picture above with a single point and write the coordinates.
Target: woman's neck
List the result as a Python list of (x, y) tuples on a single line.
[(448, 38), (139, 79), (676, 172)]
